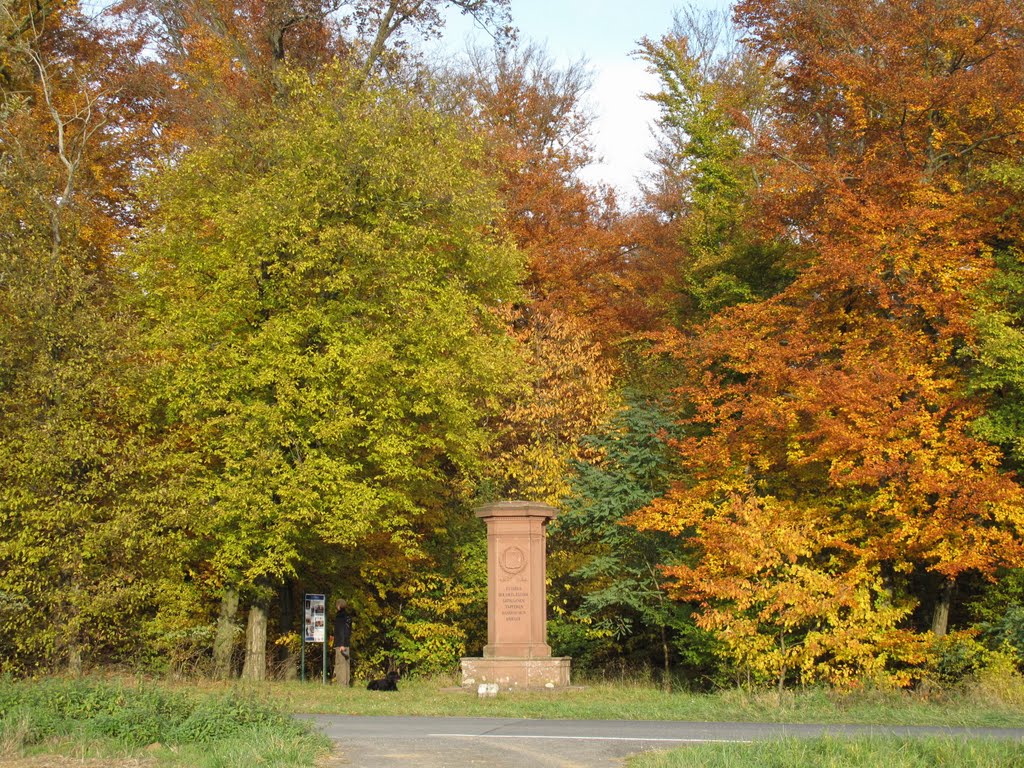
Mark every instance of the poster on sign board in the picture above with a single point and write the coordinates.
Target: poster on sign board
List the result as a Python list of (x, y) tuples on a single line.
[(316, 608)]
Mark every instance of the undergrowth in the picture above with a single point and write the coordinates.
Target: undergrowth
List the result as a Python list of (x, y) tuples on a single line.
[(836, 752), (172, 726)]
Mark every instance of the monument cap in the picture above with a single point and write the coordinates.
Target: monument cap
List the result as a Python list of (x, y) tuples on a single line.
[(516, 509)]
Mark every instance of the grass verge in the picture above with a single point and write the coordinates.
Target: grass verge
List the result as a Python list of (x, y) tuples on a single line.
[(94, 719), (832, 752), (989, 706), (160, 724)]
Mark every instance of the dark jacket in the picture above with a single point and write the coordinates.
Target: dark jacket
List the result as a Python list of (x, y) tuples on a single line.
[(342, 629)]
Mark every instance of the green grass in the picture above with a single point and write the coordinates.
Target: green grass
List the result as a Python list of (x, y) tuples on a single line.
[(230, 725), (835, 752), (995, 705), (171, 727)]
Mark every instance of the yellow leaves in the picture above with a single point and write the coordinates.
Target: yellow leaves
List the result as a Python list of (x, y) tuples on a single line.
[(325, 285), (858, 113), (538, 470), (672, 516), (778, 583), (564, 393)]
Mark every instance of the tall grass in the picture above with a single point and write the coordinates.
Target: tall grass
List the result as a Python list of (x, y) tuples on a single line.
[(88, 718), (834, 752)]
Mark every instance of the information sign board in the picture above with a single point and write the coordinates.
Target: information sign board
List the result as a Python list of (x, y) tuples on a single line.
[(316, 607)]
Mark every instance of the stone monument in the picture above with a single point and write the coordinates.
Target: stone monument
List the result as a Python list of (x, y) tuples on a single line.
[(517, 654)]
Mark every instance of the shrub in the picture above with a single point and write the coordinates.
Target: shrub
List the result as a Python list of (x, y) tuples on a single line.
[(131, 717), (956, 658)]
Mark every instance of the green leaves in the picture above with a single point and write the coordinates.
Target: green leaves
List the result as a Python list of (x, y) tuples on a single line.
[(325, 317), (997, 358), (619, 567)]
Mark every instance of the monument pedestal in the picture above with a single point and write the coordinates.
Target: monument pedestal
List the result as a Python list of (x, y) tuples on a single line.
[(517, 654), (511, 673)]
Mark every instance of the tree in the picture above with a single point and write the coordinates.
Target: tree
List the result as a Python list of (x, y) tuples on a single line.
[(620, 576), (564, 390), (322, 290), (574, 236), (220, 58), (835, 416), (699, 216), (994, 355), (537, 132), (78, 547)]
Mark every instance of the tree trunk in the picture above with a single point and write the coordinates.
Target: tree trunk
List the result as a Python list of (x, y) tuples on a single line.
[(256, 644), (287, 660), (72, 624), (666, 683), (782, 663), (224, 642), (940, 619), (74, 660)]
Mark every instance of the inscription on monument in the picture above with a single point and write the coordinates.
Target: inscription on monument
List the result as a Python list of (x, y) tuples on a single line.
[(513, 589), (513, 600)]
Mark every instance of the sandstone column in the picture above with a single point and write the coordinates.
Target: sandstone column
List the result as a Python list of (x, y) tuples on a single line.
[(517, 654)]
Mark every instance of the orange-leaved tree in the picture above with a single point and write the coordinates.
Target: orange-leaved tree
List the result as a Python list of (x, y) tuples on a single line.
[(532, 116), (830, 456)]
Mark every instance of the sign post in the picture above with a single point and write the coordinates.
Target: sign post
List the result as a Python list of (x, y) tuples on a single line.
[(314, 629)]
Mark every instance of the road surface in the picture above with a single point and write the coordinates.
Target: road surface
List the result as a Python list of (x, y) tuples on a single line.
[(454, 742)]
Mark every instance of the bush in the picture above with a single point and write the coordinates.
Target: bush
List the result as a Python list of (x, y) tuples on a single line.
[(956, 658), (129, 717), (1009, 631), (572, 638)]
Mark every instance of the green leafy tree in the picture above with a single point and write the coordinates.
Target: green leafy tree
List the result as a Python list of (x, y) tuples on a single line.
[(320, 286), (81, 550), (712, 97), (996, 355), (995, 360), (620, 578)]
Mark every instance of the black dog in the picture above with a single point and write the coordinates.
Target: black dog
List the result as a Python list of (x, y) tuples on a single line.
[(388, 683)]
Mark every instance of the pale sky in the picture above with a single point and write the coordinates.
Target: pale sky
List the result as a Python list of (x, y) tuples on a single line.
[(604, 33)]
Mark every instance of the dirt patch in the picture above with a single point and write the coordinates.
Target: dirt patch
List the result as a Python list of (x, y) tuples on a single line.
[(333, 760)]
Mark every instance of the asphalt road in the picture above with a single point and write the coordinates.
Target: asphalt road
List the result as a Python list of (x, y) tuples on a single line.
[(454, 742)]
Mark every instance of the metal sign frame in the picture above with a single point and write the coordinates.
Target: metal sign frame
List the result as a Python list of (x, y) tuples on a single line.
[(314, 629)]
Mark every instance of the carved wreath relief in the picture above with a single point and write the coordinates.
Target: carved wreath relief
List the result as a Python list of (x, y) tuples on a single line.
[(513, 589), (512, 560)]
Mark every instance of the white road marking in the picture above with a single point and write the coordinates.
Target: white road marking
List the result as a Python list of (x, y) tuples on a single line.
[(587, 738)]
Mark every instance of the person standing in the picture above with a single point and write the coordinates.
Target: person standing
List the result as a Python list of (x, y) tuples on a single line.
[(342, 644)]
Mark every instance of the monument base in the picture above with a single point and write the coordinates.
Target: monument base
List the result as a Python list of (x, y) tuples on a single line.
[(512, 673)]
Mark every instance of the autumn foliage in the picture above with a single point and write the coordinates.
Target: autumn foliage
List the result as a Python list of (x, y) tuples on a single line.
[(831, 456), (283, 298)]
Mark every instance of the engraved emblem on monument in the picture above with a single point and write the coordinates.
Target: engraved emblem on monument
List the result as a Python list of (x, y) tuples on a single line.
[(512, 560)]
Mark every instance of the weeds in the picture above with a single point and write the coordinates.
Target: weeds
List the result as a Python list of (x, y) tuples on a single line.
[(836, 752), (105, 719), (14, 735)]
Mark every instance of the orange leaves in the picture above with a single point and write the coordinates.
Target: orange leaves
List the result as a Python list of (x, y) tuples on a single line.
[(830, 424), (907, 79), (574, 237), (864, 414)]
